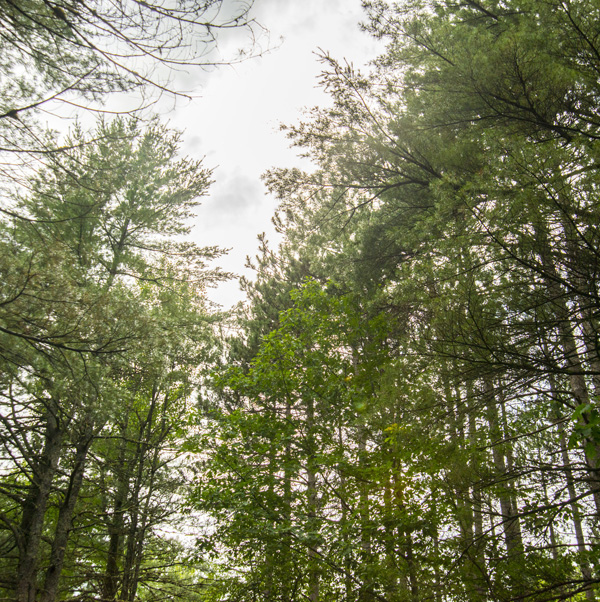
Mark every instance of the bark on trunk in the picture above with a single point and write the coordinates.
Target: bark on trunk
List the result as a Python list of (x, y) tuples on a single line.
[(584, 565), (64, 522), (575, 367), (507, 497), (311, 492), (475, 553), (34, 509), (110, 583)]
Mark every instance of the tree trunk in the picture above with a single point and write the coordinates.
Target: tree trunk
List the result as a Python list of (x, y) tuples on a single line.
[(34, 509), (584, 565), (65, 517), (110, 583), (475, 552), (510, 521), (312, 503), (575, 368), (147, 468)]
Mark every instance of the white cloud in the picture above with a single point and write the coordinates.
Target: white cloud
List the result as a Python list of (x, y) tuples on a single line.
[(235, 121)]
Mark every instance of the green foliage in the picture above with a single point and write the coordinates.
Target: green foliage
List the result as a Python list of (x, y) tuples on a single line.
[(104, 329), (303, 403), (63, 57), (454, 196)]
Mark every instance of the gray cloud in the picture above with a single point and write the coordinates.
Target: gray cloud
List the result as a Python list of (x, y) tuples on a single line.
[(233, 198)]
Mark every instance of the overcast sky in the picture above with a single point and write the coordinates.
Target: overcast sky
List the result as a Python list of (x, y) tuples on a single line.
[(235, 122)]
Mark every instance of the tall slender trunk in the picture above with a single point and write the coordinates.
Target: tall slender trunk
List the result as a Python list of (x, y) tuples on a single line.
[(110, 582), (584, 565), (129, 582), (463, 432), (551, 529), (133, 561), (510, 521), (475, 552), (510, 468), (289, 594), (412, 572), (390, 521), (312, 502), (34, 508), (65, 517), (148, 462), (575, 367)]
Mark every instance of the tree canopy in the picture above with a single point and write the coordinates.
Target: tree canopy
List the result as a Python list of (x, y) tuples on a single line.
[(406, 408), (452, 221)]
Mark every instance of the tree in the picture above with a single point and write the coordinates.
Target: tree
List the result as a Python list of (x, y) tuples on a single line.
[(455, 192), (78, 52), (285, 482), (72, 58), (96, 279)]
